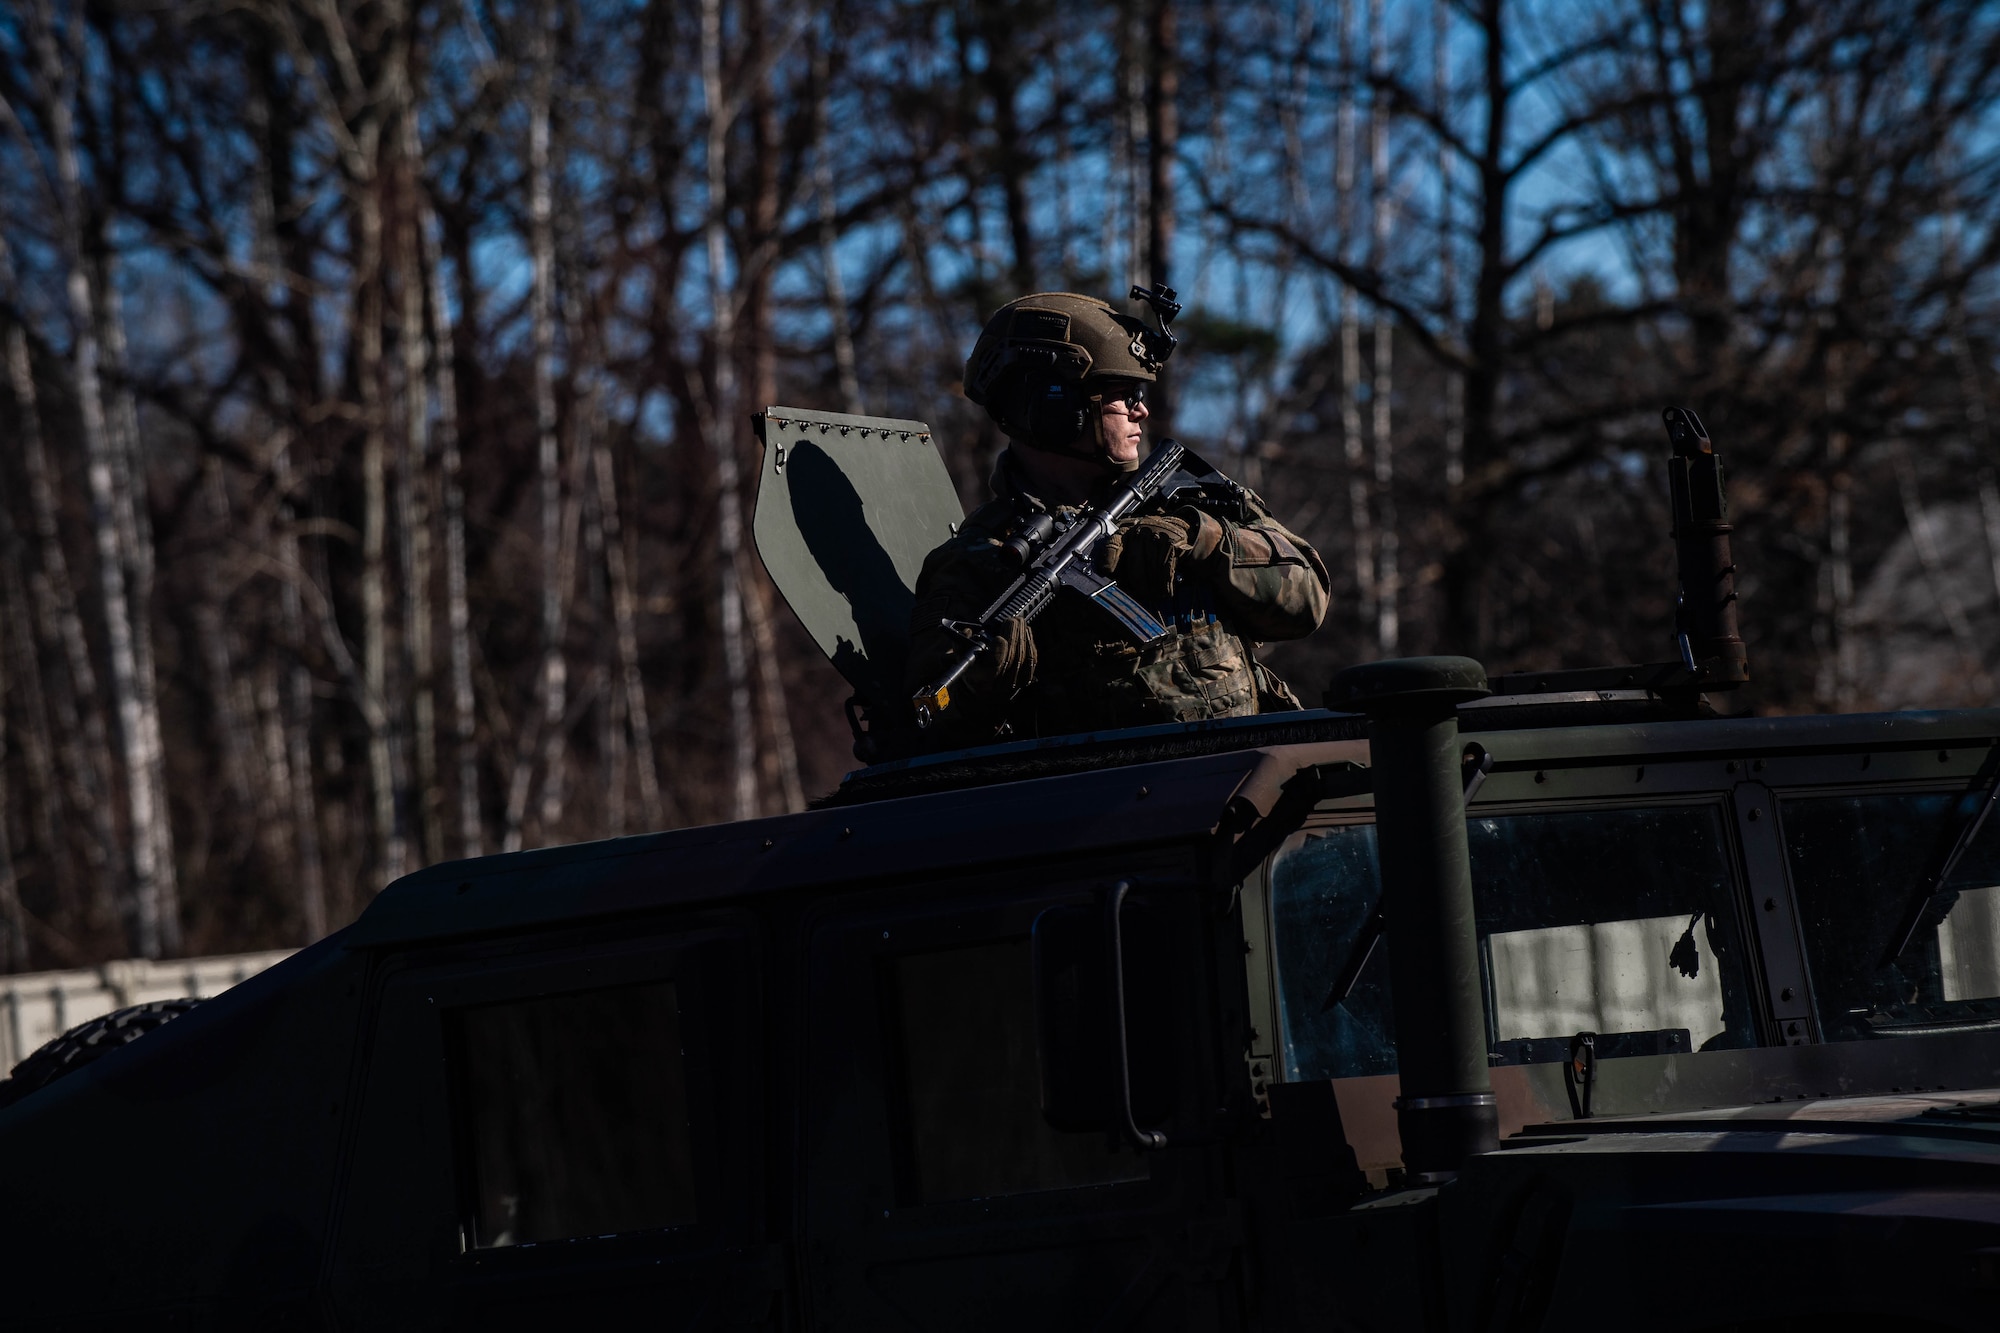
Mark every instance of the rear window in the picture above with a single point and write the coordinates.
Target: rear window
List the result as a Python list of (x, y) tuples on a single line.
[(1856, 863), (1619, 922), (572, 1115)]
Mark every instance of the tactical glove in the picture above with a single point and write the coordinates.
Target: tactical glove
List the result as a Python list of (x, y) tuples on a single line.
[(1014, 657), (1151, 555)]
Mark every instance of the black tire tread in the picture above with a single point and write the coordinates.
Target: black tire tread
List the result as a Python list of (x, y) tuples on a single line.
[(86, 1043)]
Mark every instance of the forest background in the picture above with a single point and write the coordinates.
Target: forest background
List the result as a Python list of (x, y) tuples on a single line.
[(379, 374)]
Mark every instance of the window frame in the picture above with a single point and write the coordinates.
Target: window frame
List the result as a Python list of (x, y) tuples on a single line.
[(926, 922), (861, 1243), (713, 966), (690, 1020), (1928, 783), (1596, 787)]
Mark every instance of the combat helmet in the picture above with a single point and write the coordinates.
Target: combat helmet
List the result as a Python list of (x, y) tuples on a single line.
[(1040, 357)]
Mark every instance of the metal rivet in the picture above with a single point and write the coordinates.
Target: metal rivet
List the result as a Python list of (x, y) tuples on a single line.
[(1144, 792), (1770, 904), (1943, 755), (1791, 1029), (768, 844), (1785, 994), (847, 833), (1541, 777), (1755, 814)]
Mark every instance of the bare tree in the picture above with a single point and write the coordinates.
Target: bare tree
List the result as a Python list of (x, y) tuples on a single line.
[(721, 424), (150, 902)]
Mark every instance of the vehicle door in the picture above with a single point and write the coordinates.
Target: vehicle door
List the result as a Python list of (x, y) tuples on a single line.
[(560, 1134), (936, 1196)]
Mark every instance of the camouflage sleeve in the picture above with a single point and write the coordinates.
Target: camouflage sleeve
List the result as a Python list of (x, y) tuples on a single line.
[(959, 581), (1271, 584)]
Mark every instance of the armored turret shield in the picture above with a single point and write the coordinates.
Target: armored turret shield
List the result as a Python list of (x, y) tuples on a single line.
[(847, 509)]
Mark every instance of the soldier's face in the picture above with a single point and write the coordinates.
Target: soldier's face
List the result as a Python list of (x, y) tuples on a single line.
[(1125, 413)]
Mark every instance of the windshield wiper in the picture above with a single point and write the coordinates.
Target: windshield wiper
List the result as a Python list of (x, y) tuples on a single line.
[(1985, 787), (1929, 1020), (1478, 763)]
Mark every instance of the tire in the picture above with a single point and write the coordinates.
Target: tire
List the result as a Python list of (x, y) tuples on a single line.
[(86, 1043)]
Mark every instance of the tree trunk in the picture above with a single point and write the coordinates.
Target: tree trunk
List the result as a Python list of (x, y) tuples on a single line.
[(135, 536), (385, 803), (1135, 177), (829, 254), (298, 707), (1454, 380), (458, 610), (225, 697), (552, 691), (781, 760), (37, 744), (1388, 578), (1014, 162), (413, 479), (1360, 504), (13, 922), (1163, 130), (83, 749), (722, 426), (1485, 342), (147, 930)]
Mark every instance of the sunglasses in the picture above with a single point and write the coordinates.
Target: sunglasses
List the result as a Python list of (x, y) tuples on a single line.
[(1132, 395)]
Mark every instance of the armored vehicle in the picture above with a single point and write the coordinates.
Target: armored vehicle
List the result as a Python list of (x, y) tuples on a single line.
[(1466, 1004)]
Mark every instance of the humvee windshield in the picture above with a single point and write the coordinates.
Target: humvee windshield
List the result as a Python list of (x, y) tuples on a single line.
[(1622, 922), (1856, 860)]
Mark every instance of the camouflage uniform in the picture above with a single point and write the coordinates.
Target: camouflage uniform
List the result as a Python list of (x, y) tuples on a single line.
[(1083, 673)]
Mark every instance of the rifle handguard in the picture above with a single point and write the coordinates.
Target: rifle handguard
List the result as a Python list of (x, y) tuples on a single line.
[(1036, 587)]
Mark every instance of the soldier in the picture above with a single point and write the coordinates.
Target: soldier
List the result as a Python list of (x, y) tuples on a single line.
[(1065, 376)]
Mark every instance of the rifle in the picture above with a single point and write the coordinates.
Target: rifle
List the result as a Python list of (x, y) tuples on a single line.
[(1053, 559)]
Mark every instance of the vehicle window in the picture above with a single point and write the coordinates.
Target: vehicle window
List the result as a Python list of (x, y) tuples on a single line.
[(1856, 861), (1323, 890), (1618, 922), (966, 1020), (572, 1115)]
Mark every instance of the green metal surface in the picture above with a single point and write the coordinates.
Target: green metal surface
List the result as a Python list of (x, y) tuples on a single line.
[(1446, 1111), (847, 509)]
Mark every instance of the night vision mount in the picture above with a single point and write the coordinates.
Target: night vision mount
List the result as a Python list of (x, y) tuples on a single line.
[(1159, 346)]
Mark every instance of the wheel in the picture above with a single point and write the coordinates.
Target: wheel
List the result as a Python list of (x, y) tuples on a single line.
[(87, 1042)]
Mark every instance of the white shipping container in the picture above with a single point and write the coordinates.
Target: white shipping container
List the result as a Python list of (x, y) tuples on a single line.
[(36, 1007)]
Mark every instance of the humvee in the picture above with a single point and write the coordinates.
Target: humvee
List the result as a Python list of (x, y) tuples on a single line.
[(1667, 1020)]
